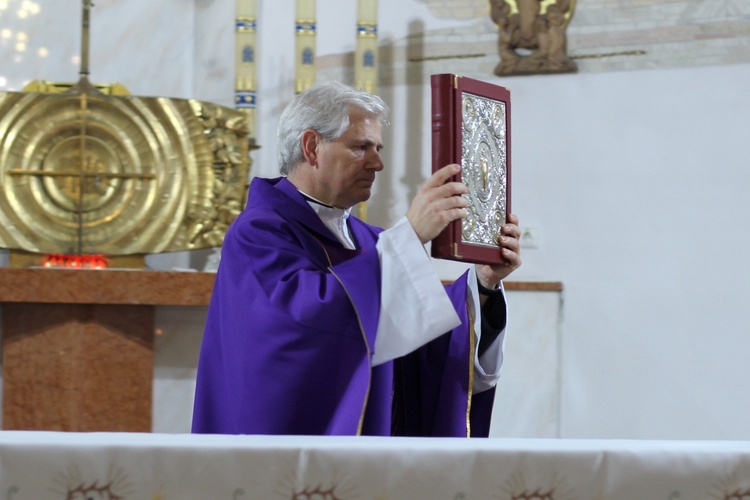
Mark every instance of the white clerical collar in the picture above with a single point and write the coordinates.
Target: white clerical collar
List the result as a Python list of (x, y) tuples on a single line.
[(334, 219)]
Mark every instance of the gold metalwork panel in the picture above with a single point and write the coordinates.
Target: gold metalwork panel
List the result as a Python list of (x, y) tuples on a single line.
[(118, 175), (484, 168)]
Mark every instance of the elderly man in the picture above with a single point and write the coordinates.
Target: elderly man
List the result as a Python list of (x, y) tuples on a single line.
[(322, 324)]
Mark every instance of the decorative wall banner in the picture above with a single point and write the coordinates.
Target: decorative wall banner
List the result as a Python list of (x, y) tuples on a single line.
[(246, 57), (305, 32), (366, 57)]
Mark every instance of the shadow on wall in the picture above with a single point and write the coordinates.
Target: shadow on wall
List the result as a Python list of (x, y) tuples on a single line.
[(415, 51), (381, 206)]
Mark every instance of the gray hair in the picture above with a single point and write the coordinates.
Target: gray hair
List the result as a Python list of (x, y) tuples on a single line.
[(325, 108)]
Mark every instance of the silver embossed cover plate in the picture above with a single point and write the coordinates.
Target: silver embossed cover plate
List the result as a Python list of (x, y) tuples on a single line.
[(484, 162)]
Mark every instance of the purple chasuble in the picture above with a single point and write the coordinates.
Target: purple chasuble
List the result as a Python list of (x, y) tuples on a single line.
[(290, 330)]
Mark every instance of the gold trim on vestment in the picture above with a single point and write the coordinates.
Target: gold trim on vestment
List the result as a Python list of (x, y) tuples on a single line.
[(472, 346)]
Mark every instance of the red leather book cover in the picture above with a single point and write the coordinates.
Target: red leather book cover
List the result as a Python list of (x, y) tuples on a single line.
[(471, 127)]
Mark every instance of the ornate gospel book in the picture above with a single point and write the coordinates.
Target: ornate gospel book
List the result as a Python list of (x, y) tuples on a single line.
[(471, 127)]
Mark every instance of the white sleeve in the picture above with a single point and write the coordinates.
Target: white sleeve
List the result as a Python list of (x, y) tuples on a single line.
[(486, 368), (415, 308)]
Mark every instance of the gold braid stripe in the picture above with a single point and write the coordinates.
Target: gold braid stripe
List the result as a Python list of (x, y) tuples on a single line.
[(471, 375)]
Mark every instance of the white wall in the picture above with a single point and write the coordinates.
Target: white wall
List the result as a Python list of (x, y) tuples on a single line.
[(635, 180), (639, 184)]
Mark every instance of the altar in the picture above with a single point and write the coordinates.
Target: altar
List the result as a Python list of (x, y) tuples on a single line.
[(78, 345), (36, 465), (116, 350)]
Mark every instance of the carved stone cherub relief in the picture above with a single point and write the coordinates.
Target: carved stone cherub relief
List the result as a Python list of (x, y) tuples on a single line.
[(523, 26)]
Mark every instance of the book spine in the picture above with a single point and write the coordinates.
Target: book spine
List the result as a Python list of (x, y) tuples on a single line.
[(443, 144)]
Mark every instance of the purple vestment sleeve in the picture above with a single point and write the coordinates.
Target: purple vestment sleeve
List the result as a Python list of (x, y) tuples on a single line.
[(481, 411), (433, 396)]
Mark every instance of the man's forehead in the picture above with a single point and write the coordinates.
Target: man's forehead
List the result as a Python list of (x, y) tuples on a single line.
[(359, 115), (365, 124)]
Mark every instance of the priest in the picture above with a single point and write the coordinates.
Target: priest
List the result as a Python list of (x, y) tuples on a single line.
[(321, 324)]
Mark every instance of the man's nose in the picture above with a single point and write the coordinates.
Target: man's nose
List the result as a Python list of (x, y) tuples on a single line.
[(374, 162)]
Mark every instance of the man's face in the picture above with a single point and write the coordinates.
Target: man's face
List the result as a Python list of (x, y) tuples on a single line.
[(346, 167)]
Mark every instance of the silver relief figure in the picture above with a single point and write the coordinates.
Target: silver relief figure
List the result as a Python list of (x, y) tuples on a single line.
[(484, 168)]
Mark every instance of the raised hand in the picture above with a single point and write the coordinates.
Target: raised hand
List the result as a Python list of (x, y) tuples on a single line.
[(510, 249), (437, 203)]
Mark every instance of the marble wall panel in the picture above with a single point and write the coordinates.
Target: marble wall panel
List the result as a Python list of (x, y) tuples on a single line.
[(527, 395), (145, 46)]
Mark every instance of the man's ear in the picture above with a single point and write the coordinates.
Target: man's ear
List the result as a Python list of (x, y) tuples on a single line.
[(310, 141)]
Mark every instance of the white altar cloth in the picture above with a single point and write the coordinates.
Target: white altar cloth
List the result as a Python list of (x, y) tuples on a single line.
[(42, 465)]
